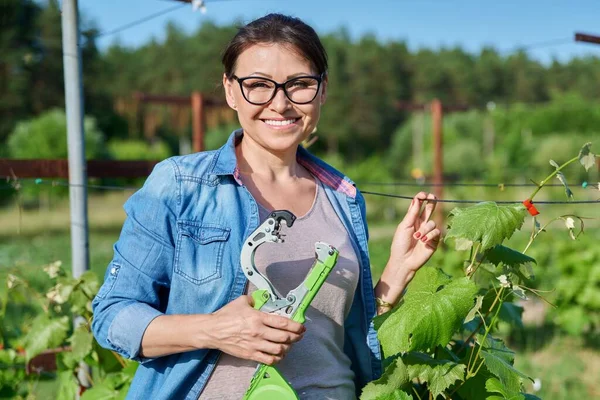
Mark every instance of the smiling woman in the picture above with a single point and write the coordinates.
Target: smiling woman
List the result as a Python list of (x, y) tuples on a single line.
[(175, 297)]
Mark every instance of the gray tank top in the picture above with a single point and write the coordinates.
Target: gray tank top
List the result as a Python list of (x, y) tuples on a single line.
[(316, 366)]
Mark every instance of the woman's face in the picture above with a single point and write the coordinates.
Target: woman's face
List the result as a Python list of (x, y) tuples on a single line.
[(279, 125)]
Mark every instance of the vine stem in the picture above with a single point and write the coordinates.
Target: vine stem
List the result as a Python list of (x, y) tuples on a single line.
[(535, 235), (469, 270), (470, 367), (119, 358), (552, 175), (417, 393)]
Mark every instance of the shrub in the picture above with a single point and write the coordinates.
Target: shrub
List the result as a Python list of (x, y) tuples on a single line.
[(133, 149), (45, 137)]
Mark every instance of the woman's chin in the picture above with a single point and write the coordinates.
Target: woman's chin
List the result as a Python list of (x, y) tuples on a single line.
[(282, 141)]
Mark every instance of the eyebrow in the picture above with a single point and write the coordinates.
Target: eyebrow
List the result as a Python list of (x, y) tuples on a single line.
[(288, 77)]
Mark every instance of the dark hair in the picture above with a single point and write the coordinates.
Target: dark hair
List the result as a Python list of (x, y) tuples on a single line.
[(281, 29)]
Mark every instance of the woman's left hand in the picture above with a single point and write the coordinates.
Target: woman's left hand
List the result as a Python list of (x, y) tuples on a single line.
[(416, 237)]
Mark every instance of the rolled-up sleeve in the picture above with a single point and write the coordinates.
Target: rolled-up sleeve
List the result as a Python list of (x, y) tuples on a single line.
[(137, 280)]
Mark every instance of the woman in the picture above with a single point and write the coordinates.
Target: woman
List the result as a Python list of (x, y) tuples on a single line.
[(174, 296)]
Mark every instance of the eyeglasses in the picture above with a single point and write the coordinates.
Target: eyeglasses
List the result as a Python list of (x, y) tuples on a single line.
[(260, 91)]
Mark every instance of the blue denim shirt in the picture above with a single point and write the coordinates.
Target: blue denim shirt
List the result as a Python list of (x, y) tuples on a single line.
[(179, 253)]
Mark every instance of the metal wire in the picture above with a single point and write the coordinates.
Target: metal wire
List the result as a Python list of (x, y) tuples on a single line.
[(39, 181), (481, 201)]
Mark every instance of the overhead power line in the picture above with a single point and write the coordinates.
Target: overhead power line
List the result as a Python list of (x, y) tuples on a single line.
[(140, 21)]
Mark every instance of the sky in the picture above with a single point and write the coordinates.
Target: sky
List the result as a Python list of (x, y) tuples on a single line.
[(546, 27)]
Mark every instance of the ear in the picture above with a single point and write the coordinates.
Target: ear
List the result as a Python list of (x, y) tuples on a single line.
[(229, 92), (323, 95)]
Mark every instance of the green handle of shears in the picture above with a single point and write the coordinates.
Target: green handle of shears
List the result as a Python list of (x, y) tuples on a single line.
[(313, 283), (267, 382)]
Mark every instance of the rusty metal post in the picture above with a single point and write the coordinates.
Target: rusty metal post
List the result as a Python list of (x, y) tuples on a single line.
[(197, 122), (438, 160)]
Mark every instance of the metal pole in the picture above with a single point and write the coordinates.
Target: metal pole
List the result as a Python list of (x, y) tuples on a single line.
[(76, 145)]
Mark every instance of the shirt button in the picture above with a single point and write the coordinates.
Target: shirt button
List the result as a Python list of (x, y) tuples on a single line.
[(113, 271)]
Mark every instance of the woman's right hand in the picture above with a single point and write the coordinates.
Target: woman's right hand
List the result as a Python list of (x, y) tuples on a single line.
[(243, 332)]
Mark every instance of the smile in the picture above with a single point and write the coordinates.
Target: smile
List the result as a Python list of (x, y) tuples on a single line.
[(285, 122)]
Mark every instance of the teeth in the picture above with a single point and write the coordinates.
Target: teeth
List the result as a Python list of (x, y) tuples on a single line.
[(280, 123)]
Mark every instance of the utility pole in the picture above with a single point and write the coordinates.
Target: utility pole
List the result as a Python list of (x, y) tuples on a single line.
[(76, 145)]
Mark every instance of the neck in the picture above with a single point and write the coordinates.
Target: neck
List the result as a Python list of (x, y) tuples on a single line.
[(254, 160)]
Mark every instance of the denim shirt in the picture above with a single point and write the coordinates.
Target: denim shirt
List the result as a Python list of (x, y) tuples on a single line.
[(179, 253)]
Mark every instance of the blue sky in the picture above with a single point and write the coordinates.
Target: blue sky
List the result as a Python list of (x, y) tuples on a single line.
[(470, 24)]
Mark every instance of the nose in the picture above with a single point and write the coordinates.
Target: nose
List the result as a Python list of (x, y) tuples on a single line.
[(280, 102)]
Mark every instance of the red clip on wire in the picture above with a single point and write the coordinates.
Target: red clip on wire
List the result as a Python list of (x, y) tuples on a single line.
[(530, 207)]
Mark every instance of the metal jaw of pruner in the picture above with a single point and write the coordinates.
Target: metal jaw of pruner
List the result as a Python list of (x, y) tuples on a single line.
[(270, 231)]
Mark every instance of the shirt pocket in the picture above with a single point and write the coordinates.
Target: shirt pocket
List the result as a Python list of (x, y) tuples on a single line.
[(199, 254)]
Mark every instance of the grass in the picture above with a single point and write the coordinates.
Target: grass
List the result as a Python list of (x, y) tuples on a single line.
[(565, 368)]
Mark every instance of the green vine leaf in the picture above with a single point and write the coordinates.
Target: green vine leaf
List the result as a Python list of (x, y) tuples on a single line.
[(493, 385), (101, 391), (473, 312), (106, 360), (433, 309), (114, 387), (385, 388), (81, 343), (474, 387), (439, 374), (487, 222), (68, 386), (45, 333), (561, 177), (499, 361), (518, 262), (511, 313), (507, 256), (586, 157)]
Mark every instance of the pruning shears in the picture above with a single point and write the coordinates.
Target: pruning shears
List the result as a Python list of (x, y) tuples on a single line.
[(267, 382)]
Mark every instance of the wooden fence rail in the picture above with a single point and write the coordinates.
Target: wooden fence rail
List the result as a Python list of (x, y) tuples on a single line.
[(14, 168)]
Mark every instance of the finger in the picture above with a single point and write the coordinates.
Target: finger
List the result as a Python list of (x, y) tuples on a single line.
[(279, 336), (278, 322), (432, 238), (424, 229), (267, 359), (413, 210), (274, 349), (429, 208)]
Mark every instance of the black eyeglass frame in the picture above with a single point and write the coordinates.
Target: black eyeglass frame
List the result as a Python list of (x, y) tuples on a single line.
[(319, 79)]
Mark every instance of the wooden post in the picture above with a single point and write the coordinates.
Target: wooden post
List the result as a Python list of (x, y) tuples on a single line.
[(438, 160), (197, 122), (582, 37)]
